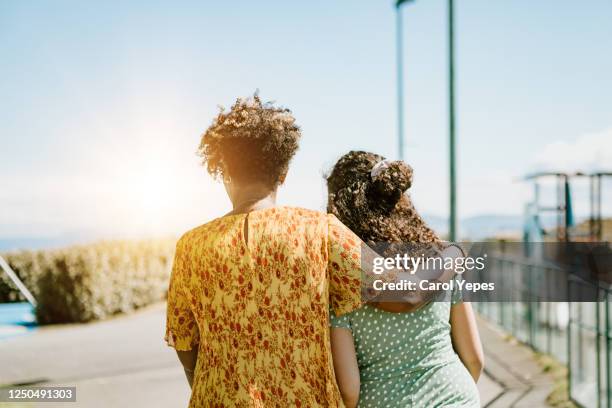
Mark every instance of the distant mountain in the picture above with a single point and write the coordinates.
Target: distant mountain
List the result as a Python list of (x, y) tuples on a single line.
[(437, 223), (491, 225), (58, 241), (480, 226), (473, 228), (71, 238), (13, 244)]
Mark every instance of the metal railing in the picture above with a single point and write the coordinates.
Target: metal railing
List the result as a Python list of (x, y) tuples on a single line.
[(18, 283), (577, 334)]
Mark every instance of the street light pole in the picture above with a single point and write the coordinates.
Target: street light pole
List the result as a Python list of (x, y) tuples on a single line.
[(452, 228), (400, 85), (400, 78)]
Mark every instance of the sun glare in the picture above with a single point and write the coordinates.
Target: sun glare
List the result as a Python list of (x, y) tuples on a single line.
[(154, 191)]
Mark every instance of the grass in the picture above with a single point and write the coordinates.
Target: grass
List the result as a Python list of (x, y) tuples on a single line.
[(559, 397)]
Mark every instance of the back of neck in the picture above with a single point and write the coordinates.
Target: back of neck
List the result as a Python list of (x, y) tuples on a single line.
[(253, 204)]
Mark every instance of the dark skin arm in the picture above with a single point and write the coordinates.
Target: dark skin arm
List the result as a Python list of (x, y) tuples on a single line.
[(188, 359), (466, 341), (345, 365)]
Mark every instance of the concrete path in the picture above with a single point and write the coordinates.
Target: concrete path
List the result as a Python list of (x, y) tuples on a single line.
[(116, 364), (512, 376), (122, 362)]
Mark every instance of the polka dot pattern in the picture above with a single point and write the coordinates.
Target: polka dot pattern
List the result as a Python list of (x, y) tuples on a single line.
[(407, 359)]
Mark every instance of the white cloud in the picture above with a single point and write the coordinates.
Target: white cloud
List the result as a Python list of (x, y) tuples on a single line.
[(588, 153)]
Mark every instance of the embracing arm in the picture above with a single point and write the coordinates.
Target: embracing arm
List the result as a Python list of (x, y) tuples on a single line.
[(466, 340), (345, 365), (416, 299), (188, 359)]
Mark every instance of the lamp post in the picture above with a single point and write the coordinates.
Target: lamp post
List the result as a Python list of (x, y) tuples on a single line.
[(400, 78), (452, 228)]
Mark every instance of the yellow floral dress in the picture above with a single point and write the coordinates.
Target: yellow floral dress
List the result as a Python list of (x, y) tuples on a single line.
[(257, 306)]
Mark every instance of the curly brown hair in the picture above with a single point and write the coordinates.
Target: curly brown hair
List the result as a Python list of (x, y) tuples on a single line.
[(253, 142), (375, 207)]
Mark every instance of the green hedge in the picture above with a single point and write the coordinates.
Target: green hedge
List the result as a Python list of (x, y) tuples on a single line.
[(91, 282)]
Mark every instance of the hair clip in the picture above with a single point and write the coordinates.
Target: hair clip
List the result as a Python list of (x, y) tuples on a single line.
[(379, 168)]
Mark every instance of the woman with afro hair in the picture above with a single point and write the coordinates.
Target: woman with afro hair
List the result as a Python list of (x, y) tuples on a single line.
[(428, 357)]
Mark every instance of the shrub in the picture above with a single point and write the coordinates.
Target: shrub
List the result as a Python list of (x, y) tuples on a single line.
[(91, 282)]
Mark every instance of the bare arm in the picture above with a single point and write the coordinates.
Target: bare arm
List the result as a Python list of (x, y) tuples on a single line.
[(345, 365), (188, 360), (466, 340)]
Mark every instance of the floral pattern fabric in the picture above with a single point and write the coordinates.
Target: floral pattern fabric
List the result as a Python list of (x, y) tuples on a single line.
[(257, 306)]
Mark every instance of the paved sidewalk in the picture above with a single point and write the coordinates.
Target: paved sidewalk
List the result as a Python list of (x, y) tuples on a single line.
[(512, 377), (123, 362)]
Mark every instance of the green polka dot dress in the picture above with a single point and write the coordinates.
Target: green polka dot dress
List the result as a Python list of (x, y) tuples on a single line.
[(407, 359)]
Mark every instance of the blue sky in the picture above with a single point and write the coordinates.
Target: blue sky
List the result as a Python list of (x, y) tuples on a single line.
[(104, 102)]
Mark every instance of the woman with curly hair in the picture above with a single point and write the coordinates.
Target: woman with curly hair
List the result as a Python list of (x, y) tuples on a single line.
[(429, 357), (250, 292)]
